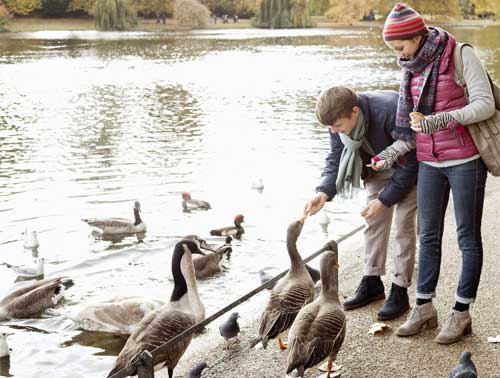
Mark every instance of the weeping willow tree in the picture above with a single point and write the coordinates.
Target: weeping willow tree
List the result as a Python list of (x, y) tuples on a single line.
[(114, 15), (3, 18), (283, 14)]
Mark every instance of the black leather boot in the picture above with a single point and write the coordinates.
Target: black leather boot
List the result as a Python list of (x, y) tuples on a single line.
[(396, 305), (369, 290)]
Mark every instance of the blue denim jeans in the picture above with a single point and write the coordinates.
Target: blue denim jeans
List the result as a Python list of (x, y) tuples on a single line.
[(467, 183)]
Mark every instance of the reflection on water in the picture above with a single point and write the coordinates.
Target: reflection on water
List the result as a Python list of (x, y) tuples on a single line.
[(91, 122)]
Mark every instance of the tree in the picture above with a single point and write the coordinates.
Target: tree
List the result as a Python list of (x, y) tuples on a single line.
[(54, 8), (154, 6), (283, 14), (3, 18), (22, 7), (85, 6), (114, 15), (191, 13)]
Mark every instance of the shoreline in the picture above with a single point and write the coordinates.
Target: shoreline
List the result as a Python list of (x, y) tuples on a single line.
[(32, 24)]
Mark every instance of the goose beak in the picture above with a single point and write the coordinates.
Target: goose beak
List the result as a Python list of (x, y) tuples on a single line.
[(204, 245), (302, 219)]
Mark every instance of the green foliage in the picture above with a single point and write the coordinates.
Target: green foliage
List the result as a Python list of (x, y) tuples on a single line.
[(319, 7), (243, 8), (84, 6), (154, 6), (114, 15), (22, 7), (191, 13), (54, 8), (283, 14)]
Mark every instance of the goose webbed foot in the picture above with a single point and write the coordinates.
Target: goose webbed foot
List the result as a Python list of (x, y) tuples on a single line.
[(281, 344)]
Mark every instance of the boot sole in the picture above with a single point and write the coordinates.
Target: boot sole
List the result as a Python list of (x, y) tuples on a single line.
[(394, 316), (364, 303)]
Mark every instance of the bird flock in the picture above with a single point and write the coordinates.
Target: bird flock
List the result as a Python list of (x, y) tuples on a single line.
[(312, 314)]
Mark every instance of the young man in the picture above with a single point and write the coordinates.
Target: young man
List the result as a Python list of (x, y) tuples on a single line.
[(360, 127)]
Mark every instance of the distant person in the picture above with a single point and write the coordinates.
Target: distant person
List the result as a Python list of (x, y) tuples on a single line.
[(235, 18), (163, 17), (224, 19), (448, 159), (360, 126), (215, 18)]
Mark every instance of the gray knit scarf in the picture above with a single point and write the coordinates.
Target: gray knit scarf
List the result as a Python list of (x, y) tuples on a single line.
[(351, 164)]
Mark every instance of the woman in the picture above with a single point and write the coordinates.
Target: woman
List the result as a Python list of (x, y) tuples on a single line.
[(448, 159)]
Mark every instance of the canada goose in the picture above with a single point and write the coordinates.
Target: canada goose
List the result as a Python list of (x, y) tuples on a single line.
[(30, 240), (319, 329), (289, 295), (4, 347), (117, 315), (33, 298), (209, 264), (113, 226), (235, 230), (189, 203), (183, 311)]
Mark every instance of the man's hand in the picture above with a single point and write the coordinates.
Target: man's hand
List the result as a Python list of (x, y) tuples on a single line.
[(315, 204), (373, 209)]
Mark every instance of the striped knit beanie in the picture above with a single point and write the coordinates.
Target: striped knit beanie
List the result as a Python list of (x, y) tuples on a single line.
[(403, 22)]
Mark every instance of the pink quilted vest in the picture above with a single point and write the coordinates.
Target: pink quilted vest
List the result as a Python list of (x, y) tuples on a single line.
[(454, 142)]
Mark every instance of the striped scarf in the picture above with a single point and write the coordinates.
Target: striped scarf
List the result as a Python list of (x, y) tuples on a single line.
[(426, 62)]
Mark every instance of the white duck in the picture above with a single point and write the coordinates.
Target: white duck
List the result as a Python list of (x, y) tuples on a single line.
[(117, 315), (33, 297), (119, 226), (323, 218), (184, 310)]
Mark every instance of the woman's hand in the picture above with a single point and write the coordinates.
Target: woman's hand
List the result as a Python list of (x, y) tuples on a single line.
[(431, 124), (315, 204)]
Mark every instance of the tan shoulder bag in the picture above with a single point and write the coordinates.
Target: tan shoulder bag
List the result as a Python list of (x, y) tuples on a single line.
[(486, 134)]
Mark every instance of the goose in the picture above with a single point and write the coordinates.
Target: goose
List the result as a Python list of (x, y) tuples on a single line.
[(189, 203), (184, 310), (4, 347), (33, 298), (209, 264), (290, 294), (30, 240), (117, 315), (235, 230), (319, 329), (114, 226)]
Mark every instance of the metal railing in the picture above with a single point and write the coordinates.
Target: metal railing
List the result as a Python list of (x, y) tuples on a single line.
[(143, 365)]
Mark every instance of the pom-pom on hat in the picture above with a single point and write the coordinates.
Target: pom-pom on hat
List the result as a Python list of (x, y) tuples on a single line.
[(403, 22)]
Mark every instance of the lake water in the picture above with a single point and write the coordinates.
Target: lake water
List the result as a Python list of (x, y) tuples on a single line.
[(90, 122)]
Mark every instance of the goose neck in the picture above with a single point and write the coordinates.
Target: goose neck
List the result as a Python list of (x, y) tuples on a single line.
[(137, 217)]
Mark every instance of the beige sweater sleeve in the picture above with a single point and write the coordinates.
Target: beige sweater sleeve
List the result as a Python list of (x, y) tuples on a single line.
[(481, 102)]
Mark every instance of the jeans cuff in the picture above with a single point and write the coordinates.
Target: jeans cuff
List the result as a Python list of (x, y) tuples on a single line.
[(425, 295), (374, 271), (464, 300)]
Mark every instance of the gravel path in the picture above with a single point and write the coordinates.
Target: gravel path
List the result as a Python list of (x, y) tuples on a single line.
[(385, 356)]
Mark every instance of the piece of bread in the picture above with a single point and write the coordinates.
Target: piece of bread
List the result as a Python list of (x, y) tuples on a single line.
[(416, 116)]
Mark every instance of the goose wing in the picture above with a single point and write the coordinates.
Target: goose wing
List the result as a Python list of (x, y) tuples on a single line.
[(153, 331), (25, 288), (35, 300), (205, 266), (282, 309), (111, 225), (315, 335)]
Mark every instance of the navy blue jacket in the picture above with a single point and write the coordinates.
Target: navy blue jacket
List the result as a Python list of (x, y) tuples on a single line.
[(379, 111)]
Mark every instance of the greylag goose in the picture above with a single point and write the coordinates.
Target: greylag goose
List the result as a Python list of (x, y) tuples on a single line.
[(117, 315), (4, 347), (319, 329), (289, 295), (235, 230), (33, 298), (120, 226), (184, 310), (189, 203), (264, 277)]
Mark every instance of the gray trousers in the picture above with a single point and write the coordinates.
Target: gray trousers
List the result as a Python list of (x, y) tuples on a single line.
[(378, 230)]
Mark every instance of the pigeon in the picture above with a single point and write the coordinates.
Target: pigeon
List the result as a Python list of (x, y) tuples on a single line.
[(230, 328), (465, 368), (197, 370)]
